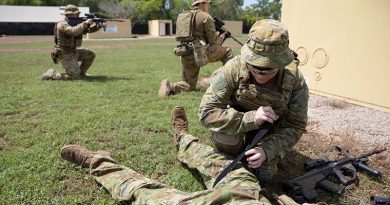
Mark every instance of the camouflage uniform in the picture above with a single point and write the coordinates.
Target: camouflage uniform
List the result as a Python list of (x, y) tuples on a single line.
[(68, 40), (229, 104), (126, 185), (203, 32)]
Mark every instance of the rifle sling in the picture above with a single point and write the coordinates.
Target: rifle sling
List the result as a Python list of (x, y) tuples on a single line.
[(260, 134)]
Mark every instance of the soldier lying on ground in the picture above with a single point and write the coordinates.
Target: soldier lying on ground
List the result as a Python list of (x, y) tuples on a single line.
[(68, 38), (126, 185), (199, 44), (263, 84)]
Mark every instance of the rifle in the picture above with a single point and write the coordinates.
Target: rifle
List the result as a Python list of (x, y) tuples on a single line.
[(377, 200), (219, 27), (318, 173), (78, 20)]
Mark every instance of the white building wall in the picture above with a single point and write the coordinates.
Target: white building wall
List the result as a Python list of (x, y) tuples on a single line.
[(34, 14)]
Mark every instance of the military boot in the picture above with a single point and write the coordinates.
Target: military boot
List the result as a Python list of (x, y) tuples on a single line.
[(79, 155), (165, 88), (179, 122), (48, 74)]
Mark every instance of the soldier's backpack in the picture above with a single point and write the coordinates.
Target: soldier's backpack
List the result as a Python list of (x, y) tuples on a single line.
[(184, 26)]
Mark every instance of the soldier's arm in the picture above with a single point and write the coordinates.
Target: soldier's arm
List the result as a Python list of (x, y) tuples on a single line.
[(215, 112), (94, 27), (211, 33), (72, 30), (290, 128)]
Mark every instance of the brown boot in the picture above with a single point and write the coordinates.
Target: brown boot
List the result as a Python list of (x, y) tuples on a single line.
[(48, 74), (79, 155), (179, 122), (165, 88)]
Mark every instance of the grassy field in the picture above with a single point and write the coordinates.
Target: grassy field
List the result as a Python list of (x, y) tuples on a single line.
[(117, 110)]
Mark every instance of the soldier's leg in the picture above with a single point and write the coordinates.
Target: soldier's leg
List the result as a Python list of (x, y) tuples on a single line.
[(220, 53), (189, 73), (210, 163), (68, 60), (207, 160), (54, 75), (126, 185), (86, 57)]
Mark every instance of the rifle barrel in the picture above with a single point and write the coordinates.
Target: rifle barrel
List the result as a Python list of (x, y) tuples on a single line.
[(374, 151), (236, 40)]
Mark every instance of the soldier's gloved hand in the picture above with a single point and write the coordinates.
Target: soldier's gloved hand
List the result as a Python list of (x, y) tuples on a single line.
[(89, 21), (265, 114), (255, 157), (227, 34)]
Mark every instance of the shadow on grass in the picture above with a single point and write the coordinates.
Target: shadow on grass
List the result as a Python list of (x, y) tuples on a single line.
[(196, 175), (103, 78)]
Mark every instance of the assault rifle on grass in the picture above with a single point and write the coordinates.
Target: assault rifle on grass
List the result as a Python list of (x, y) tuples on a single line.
[(378, 200), (319, 173), (219, 27), (78, 20)]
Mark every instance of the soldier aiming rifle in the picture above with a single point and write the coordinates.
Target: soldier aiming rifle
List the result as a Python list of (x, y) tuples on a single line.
[(68, 37)]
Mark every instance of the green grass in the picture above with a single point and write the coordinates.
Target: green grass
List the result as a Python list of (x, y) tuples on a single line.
[(117, 110)]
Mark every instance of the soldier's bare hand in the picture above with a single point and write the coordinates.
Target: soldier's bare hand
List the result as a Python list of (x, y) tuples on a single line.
[(265, 114), (255, 157), (104, 24), (89, 21)]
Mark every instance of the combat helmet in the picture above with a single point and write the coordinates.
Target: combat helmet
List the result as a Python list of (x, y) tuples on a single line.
[(71, 9), (267, 45), (200, 1)]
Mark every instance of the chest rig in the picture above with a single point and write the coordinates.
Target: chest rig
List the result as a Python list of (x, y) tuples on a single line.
[(65, 41), (250, 96)]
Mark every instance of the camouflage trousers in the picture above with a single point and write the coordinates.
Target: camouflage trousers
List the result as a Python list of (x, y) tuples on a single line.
[(69, 60), (190, 70), (127, 186)]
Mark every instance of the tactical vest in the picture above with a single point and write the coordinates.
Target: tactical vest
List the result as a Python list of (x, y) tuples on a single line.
[(250, 97), (65, 41), (185, 24)]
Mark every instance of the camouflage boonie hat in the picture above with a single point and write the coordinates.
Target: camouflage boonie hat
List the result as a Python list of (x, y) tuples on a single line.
[(267, 45), (200, 1), (71, 9)]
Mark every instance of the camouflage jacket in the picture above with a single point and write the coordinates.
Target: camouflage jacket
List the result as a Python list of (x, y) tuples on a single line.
[(70, 37), (229, 104), (204, 28)]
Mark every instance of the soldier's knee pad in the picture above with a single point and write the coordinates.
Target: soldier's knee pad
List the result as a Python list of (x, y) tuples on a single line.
[(231, 145)]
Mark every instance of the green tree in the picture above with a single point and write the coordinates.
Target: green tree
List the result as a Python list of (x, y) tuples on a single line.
[(116, 9), (263, 9), (220, 8), (92, 4), (177, 7)]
